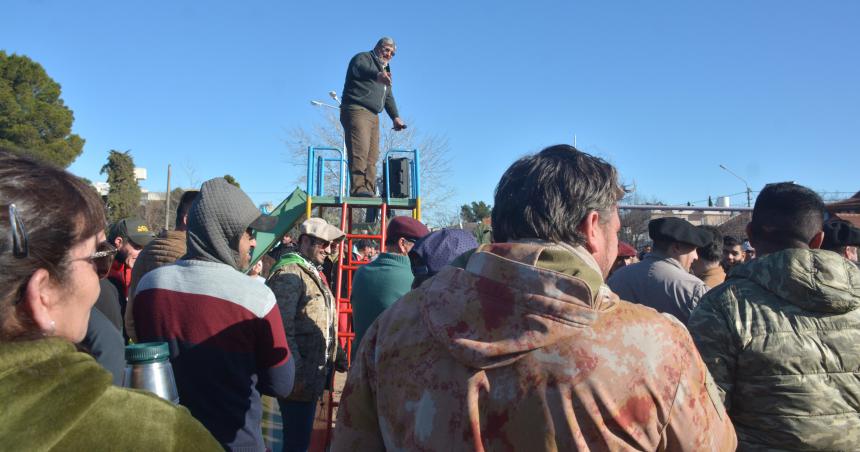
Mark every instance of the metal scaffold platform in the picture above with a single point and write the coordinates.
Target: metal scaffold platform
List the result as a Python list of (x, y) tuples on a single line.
[(328, 164)]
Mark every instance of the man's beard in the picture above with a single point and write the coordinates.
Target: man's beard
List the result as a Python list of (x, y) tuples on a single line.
[(121, 257)]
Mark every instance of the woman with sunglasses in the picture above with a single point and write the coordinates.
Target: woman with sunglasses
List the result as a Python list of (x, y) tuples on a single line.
[(51, 258)]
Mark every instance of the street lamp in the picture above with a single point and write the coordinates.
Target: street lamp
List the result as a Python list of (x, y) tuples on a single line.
[(317, 103), (749, 192)]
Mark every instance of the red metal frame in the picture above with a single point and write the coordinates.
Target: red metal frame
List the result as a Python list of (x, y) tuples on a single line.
[(346, 268)]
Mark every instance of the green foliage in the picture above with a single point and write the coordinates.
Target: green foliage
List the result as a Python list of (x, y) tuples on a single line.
[(483, 234), (34, 121), (475, 212), (123, 199), (232, 180)]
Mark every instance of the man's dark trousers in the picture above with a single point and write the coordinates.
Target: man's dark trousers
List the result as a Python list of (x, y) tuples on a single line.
[(361, 130)]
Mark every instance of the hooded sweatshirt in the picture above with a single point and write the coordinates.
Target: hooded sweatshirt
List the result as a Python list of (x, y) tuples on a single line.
[(226, 337), (54, 398), (527, 349), (782, 339)]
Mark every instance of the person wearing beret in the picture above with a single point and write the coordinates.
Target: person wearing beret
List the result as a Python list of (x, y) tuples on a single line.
[(626, 256), (662, 280), (842, 237), (377, 285)]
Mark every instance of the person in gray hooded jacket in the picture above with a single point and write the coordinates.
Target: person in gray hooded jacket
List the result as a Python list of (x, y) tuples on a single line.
[(226, 337)]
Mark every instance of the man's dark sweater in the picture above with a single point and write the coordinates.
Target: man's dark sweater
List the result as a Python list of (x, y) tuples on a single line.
[(377, 286), (362, 89)]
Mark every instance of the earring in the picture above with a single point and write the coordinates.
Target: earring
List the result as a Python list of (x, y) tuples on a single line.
[(51, 330)]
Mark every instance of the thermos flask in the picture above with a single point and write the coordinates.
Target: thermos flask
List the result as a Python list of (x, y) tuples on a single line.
[(148, 368)]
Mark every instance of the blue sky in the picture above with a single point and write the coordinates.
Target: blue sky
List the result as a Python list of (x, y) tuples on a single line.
[(664, 90)]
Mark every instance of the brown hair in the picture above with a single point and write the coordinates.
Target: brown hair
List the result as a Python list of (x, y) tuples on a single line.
[(57, 210)]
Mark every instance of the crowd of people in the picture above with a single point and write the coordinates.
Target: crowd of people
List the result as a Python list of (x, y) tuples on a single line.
[(554, 336)]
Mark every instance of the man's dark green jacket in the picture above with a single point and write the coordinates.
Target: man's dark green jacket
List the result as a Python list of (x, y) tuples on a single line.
[(377, 286), (362, 89)]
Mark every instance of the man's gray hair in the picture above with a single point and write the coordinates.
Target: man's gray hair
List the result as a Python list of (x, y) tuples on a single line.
[(385, 40)]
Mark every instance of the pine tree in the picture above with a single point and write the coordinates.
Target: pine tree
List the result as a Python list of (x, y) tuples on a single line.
[(123, 200), (34, 121)]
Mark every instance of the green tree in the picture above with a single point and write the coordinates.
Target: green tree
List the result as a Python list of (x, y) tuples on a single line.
[(123, 198), (33, 118), (475, 212), (232, 180)]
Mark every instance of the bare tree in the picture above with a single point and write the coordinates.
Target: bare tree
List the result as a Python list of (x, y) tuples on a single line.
[(191, 173), (634, 223), (434, 155)]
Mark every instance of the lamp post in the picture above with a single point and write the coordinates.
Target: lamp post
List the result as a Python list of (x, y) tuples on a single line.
[(317, 103), (749, 191)]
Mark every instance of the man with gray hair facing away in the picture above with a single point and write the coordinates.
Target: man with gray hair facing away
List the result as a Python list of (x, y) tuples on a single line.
[(366, 92), (520, 345)]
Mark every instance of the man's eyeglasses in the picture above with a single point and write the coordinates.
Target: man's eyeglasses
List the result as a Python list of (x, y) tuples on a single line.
[(20, 242), (102, 258)]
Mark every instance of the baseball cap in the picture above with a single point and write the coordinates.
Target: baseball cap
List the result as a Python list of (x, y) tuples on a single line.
[(133, 229)]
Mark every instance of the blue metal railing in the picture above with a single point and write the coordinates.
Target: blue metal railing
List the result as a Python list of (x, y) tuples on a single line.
[(316, 166), (316, 175)]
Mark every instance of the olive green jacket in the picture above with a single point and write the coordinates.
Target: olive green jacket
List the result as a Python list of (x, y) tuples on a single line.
[(55, 398), (309, 314), (781, 338)]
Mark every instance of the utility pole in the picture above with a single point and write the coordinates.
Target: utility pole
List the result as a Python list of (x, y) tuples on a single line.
[(167, 202)]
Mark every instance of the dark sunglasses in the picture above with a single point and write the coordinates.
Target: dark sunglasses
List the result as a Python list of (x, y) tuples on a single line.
[(323, 243)]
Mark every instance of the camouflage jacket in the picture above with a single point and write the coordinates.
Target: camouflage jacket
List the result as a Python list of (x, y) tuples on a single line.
[(781, 337), (526, 349), (307, 309)]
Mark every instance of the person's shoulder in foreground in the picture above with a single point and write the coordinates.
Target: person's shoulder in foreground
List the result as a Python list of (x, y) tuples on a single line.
[(96, 412), (780, 335), (521, 345)]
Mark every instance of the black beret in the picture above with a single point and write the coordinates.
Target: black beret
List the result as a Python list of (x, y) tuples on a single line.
[(671, 229), (840, 233)]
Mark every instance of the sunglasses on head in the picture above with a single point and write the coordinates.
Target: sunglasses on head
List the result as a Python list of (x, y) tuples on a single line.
[(103, 258), (20, 241)]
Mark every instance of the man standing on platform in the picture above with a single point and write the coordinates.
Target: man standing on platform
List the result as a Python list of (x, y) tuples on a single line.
[(366, 92)]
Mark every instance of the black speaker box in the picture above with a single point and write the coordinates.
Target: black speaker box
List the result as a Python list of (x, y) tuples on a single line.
[(398, 170)]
